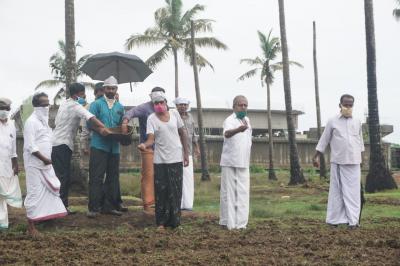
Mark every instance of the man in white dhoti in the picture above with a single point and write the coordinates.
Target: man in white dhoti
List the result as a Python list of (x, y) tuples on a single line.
[(42, 200), (235, 163), (344, 135), (182, 105), (10, 192)]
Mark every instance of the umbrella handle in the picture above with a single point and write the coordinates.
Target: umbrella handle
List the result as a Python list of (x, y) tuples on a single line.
[(130, 84)]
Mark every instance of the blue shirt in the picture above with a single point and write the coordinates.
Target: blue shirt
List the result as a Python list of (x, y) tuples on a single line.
[(110, 118), (142, 112)]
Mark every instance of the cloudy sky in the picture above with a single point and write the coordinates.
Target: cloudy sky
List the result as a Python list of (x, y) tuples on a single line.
[(30, 31)]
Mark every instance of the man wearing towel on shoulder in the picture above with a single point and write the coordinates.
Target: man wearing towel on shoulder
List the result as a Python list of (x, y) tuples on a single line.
[(182, 105), (42, 200), (344, 135), (10, 192)]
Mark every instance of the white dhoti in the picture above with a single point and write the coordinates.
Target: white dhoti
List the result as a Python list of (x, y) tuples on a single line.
[(344, 200), (43, 200), (234, 197), (10, 193), (188, 186)]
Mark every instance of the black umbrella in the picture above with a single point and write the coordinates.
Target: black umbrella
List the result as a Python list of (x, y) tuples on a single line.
[(124, 67)]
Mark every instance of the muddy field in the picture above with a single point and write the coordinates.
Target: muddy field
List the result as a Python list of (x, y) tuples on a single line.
[(132, 239)]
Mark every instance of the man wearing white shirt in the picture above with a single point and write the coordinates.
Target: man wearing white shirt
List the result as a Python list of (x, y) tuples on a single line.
[(235, 163), (10, 192), (42, 201), (67, 123), (344, 135)]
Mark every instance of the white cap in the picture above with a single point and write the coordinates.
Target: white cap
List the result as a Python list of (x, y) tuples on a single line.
[(181, 100), (110, 82), (157, 96)]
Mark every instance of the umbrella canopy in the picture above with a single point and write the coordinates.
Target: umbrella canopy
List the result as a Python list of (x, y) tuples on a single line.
[(124, 67)]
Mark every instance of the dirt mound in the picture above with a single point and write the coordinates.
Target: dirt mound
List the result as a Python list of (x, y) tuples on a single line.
[(132, 239)]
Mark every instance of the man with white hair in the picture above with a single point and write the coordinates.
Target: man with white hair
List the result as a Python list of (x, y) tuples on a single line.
[(142, 112), (182, 105), (235, 164), (10, 192), (104, 187)]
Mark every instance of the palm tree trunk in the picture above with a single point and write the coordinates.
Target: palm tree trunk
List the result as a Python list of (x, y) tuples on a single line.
[(78, 178), (175, 52), (205, 176), (271, 170), (296, 173), (70, 53), (322, 166), (379, 177)]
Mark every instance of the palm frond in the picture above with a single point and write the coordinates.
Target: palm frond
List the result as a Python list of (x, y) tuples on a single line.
[(201, 60), (48, 83), (249, 74), (141, 39), (59, 96), (189, 14), (199, 26), (209, 42), (252, 62), (158, 57)]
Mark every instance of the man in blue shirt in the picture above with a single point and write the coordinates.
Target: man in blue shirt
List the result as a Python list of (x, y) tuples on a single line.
[(104, 196)]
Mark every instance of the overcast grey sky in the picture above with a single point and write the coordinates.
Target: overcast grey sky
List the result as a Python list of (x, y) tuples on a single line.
[(30, 31)]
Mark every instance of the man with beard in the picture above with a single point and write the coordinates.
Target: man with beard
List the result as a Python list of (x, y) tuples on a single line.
[(104, 196)]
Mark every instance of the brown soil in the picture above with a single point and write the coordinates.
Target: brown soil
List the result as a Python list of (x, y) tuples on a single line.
[(133, 240)]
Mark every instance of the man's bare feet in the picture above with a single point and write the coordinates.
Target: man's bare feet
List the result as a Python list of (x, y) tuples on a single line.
[(161, 228), (32, 231)]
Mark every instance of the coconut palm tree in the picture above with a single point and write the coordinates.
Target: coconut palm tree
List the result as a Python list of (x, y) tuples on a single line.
[(172, 31), (70, 51), (296, 173), (322, 164), (396, 11), (58, 69), (265, 66), (378, 177)]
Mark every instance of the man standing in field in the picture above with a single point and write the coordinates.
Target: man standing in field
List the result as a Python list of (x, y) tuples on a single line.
[(10, 192), (182, 105), (235, 164), (344, 135), (42, 200), (104, 187), (67, 122), (142, 112)]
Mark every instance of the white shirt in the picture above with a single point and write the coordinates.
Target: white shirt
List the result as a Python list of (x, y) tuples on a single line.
[(236, 149), (168, 146), (345, 138), (67, 122), (37, 137), (8, 147)]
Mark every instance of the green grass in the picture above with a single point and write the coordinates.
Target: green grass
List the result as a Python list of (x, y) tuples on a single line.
[(270, 199)]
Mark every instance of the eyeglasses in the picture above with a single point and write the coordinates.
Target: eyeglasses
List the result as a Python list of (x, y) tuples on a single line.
[(157, 103)]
